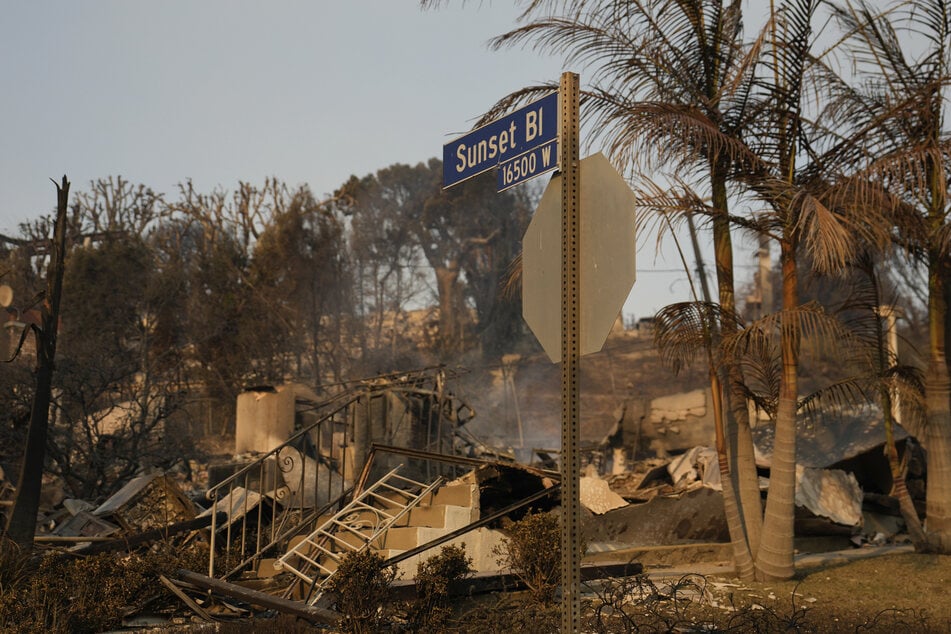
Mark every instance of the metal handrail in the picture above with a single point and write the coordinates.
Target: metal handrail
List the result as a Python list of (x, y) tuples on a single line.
[(249, 532), (352, 394), (303, 431), (214, 494)]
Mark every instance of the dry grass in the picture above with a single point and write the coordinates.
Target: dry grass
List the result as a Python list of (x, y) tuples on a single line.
[(901, 592), (890, 593)]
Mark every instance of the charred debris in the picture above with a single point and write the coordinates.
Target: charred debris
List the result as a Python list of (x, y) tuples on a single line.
[(387, 464)]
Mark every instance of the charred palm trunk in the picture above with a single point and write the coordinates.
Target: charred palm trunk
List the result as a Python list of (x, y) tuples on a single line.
[(774, 558), (900, 492), (735, 442), (887, 357), (732, 510), (938, 432)]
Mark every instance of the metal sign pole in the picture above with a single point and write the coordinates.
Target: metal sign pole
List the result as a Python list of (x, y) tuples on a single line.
[(570, 356)]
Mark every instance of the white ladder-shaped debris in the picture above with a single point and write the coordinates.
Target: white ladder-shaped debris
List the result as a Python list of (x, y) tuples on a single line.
[(354, 528)]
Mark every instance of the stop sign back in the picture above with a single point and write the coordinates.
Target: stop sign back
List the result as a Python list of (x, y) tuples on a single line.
[(606, 253)]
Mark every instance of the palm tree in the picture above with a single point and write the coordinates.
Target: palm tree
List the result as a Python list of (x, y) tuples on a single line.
[(898, 104), (681, 89), (668, 79), (810, 208)]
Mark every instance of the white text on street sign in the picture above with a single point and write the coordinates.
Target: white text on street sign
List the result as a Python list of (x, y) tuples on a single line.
[(511, 140), (533, 163)]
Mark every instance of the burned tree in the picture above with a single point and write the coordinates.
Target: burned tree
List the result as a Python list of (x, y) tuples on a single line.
[(22, 524)]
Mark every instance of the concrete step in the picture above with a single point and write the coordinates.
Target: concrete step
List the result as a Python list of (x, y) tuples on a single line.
[(266, 569), (447, 516), (407, 537), (388, 498), (479, 544), (456, 494), (343, 539), (407, 568), (364, 519)]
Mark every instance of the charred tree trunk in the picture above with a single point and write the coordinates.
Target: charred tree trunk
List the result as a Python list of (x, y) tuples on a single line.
[(938, 431), (22, 525)]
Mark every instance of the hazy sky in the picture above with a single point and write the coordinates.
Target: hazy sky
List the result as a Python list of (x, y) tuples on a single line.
[(218, 91)]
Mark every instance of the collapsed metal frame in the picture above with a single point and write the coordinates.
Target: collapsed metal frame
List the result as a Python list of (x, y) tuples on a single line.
[(278, 509), (263, 479)]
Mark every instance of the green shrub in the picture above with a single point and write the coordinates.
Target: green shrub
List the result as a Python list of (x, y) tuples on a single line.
[(360, 589), (433, 577)]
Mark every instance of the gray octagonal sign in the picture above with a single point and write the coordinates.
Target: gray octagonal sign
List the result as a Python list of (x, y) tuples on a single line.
[(606, 254)]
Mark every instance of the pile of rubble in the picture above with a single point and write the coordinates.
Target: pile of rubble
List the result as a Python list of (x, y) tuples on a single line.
[(311, 483)]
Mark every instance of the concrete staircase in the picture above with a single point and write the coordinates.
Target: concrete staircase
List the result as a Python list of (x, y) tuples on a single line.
[(451, 507), (362, 524)]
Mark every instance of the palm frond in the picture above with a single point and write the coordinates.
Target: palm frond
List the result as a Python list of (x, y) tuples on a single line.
[(515, 100), (754, 351), (663, 209), (824, 235), (872, 45), (687, 330), (848, 393), (809, 322), (672, 134), (787, 54), (931, 20)]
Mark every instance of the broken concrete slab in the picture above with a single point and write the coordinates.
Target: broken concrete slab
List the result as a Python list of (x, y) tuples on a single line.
[(85, 524), (597, 496), (74, 506)]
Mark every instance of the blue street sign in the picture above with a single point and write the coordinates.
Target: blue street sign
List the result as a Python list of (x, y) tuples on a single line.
[(511, 140)]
